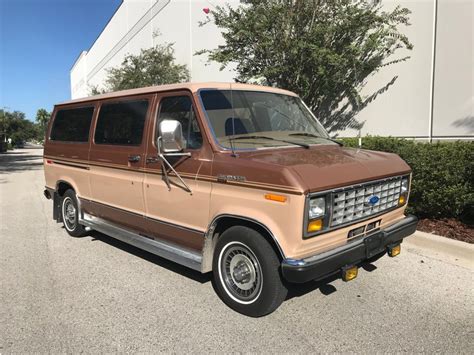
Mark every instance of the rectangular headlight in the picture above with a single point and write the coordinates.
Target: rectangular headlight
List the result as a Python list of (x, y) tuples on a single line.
[(404, 188), (317, 207)]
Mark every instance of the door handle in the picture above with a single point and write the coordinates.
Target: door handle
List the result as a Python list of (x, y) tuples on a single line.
[(133, 158), (151, 160)]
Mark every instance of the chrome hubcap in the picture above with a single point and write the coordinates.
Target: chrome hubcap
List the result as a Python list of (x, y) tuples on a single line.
[(241, 271), (69, 214)]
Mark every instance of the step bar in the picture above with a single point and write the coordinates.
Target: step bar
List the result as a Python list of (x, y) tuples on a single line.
[(160, 248)]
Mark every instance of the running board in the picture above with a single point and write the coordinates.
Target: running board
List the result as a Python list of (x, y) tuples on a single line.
[(164, 249)]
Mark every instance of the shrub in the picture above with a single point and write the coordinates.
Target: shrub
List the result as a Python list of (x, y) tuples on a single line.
[(443, 181)]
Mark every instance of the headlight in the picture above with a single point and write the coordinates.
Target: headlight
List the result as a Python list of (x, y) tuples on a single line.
[(317, 207), (402, 200), (404, 185)]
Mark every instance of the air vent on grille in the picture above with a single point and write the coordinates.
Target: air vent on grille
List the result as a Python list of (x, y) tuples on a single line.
[(364, 200)]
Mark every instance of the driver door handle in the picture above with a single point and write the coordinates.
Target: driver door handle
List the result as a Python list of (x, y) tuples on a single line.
[(133, 158)]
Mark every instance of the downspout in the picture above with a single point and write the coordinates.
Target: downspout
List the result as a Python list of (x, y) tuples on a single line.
[(433, 68), (190, 41)]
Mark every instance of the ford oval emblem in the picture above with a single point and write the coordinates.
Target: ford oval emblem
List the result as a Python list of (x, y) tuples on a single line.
[(373, 200)]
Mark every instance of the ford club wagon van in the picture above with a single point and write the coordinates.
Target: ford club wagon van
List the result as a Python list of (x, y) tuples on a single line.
[(234, 179)]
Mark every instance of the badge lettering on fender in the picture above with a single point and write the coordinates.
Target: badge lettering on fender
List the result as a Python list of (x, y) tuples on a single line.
[(231, 178)]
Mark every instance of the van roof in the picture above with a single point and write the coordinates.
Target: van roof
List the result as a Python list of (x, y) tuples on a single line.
[(193, 87)]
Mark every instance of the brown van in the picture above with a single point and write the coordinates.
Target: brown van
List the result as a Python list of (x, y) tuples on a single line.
[(236, 179)]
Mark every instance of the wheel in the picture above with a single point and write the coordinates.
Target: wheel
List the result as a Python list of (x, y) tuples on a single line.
[(70, 214), (247, 272)]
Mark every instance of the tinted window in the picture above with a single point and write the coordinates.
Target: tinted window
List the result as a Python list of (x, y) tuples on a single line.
[(180, 108), (121, 123), (72, 125)]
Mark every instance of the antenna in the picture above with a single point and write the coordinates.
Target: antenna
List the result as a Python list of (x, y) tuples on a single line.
[(231, 140)]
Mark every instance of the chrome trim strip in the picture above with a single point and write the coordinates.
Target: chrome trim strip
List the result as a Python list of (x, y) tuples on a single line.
[(161, 248)]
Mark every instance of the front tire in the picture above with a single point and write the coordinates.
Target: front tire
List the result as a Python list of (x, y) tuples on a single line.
[(247, 272), (70, 214)]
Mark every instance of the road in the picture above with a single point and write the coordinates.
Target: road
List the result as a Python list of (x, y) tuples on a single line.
[(95, 294)]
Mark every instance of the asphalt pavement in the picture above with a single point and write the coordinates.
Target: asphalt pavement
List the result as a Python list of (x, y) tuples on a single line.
[(96, 295)]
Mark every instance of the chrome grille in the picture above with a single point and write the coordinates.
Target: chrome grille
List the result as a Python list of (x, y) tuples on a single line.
[(352, 203)]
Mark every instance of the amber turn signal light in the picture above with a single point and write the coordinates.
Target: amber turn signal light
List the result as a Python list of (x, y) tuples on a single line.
[(277, 198), (315, 226), (349, 273), (402, 200), (394, 251)]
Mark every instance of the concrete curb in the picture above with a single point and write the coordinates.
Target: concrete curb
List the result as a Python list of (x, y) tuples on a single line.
[(452, 251)]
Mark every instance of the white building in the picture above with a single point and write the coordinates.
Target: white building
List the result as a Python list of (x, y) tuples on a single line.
[(433, 96)]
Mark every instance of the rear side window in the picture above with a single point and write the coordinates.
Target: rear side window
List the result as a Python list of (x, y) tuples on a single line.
[(72, 125), (121, 123)]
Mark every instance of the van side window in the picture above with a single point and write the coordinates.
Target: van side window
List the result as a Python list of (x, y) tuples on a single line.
[(180, 108), (121, 123), (72, 125)]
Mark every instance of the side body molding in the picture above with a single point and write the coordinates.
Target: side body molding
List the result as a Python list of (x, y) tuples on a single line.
[(210, 240)]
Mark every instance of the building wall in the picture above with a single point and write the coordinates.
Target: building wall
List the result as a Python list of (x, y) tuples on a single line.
[(453, 96), (420, 104), (141, 24), (423, 103)]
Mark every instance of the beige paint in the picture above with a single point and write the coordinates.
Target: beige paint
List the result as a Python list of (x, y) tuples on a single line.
[(149, 195), (318, 244), (77, 178), (118, 188), (176, 205), (284, 220)]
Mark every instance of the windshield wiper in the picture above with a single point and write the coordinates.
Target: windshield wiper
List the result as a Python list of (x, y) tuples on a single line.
[(304, 145), (304, 134)]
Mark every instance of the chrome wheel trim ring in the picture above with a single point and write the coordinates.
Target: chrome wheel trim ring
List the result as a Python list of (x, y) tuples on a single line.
[(69, 214), (240, 273)]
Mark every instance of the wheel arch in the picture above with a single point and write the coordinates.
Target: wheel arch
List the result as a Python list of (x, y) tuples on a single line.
[(62, 186), (223, 222)]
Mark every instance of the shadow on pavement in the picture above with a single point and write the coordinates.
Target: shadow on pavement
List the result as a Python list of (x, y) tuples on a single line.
[(18, 160), (294, 290), (182, 270)]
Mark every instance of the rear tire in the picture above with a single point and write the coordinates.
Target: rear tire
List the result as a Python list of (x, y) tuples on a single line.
[(70, 214), (247, 273)]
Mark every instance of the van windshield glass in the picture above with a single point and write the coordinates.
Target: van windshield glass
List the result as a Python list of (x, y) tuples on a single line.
[(253, 119)]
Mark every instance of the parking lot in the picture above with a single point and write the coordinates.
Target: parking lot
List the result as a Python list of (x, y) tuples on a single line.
[(96, 294)]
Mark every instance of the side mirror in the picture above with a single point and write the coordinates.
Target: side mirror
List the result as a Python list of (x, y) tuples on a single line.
[(171, 138)]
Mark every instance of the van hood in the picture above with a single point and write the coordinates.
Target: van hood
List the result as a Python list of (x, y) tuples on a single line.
[(325, 167)]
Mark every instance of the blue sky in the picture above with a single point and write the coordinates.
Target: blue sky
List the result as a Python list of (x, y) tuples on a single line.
[(39, 42)]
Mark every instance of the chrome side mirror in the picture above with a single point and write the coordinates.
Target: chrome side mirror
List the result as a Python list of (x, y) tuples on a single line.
[(171, 138), (171, 143)]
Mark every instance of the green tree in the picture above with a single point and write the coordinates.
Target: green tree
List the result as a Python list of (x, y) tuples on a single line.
[(153, 66), (18, 128), (324, 50), (42, 117)]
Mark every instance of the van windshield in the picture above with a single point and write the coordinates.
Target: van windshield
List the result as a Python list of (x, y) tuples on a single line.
[(252, 119)]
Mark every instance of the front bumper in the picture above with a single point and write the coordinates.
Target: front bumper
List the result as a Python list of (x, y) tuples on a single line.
[(319, 266)]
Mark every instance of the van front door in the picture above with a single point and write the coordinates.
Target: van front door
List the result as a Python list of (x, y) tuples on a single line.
[(173, 213), (117, 161)]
